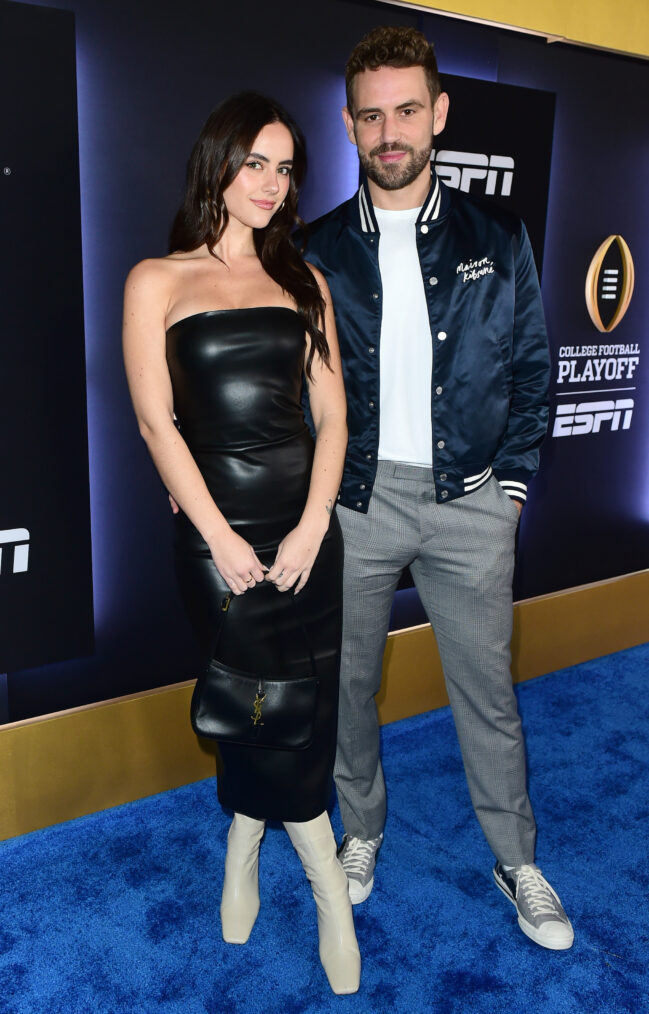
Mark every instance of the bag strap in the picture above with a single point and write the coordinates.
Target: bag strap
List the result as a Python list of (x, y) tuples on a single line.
[(224, 609)]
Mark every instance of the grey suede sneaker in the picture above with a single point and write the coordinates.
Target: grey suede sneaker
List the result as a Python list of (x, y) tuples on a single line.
[(358, 859), (540, 913)]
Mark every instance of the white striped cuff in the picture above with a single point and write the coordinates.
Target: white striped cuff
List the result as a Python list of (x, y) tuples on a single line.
[(472, 482), (514, 489)]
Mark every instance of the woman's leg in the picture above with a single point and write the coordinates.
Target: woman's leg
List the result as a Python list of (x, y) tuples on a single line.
[(314, 843), (240, 898)]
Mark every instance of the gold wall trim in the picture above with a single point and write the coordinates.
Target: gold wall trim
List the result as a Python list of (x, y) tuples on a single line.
[(71, 763), (621, 27), (87, 759)]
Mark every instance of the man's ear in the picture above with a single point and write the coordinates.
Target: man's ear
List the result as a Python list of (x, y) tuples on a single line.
[(440, 112), (348, 120)]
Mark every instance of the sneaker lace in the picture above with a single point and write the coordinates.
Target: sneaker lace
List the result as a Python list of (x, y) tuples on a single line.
[(359, 854), (537, 891)]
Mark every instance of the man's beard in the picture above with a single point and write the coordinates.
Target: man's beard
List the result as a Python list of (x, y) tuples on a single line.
[(395, 175)]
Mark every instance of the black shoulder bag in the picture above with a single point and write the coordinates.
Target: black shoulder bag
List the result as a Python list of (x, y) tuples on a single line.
[(247, 708)]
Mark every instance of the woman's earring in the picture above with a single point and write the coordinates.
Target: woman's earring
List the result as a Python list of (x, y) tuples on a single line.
[(281, 205)]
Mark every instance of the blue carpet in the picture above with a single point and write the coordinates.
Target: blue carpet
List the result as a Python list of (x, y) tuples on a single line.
[(117, 913)]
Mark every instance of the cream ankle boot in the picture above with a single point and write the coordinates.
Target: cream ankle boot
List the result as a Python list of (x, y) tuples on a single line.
[(314, 842), (240, 898)]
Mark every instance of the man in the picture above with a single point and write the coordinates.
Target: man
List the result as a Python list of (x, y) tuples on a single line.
[(446, 368)]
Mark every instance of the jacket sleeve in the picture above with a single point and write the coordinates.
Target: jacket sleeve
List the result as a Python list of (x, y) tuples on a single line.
[(517, 457)]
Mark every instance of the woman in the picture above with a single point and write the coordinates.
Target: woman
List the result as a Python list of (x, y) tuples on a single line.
[(218, 337)]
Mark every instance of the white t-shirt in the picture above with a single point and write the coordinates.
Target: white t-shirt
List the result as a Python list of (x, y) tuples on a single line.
[(406, 345)]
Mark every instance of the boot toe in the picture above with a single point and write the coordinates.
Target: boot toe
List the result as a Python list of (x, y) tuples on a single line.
[(237, 919), (343, 970)]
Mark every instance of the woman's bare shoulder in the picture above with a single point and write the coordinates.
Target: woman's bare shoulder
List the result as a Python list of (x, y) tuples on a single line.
[(152, 272), (155, 279)]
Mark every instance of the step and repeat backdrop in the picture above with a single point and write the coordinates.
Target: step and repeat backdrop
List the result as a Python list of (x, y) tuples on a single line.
[(556, 134)]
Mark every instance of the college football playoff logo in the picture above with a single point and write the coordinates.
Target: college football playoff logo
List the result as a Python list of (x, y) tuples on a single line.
[(609, 283)]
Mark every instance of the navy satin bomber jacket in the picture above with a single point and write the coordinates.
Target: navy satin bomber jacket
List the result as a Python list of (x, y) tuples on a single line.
[(490, 353)]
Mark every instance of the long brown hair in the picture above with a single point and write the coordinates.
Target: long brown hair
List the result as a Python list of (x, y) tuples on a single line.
[(221, 149)]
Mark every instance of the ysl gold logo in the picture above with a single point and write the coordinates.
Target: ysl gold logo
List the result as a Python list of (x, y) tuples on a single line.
[(256, 704)]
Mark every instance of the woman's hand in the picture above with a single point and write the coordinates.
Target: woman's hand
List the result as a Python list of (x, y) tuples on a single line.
[(295, 557), (236, 562)]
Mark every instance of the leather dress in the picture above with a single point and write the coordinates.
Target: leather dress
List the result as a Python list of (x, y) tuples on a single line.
[(237, 382)]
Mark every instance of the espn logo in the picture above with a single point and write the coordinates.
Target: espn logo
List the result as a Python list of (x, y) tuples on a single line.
[(460, 168), (588, 416), (19, 539), (609, 283)]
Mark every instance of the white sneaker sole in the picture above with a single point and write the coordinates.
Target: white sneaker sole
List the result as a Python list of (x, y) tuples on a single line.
[(563, 940), (359, 893)]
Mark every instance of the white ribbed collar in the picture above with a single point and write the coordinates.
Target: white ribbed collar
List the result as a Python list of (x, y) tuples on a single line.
[(429, 212)]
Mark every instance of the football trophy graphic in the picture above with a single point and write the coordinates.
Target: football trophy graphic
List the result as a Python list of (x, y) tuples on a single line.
[(609, 283)]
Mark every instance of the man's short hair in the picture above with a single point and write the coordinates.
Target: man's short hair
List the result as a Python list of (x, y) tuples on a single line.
[(390, 46)]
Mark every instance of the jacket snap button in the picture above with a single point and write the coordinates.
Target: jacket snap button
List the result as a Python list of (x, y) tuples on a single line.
[(371, 404), (371, 350), (424, 229), (444, 494), (363, 486), (443, 477), (358, 503), (369, 457), (440, 444), (375, 295), (441, 335), (438, 390), (432, 281)]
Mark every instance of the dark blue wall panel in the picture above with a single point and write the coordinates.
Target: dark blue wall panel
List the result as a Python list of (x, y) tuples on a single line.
[(45, 562)]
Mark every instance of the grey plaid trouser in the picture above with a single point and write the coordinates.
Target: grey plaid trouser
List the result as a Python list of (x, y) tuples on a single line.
[(461, 556)]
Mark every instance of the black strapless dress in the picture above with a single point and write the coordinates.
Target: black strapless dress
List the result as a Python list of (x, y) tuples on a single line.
[(237, 380)]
